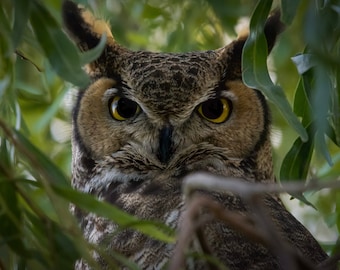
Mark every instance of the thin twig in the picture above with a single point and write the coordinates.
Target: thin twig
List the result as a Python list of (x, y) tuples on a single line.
[(260, 230), (191, 217), (239, 186)]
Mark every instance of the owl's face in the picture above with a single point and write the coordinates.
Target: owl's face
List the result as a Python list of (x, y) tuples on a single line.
[(149, 114)]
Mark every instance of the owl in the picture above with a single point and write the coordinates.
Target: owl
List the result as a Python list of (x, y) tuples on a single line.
[(149, 119)]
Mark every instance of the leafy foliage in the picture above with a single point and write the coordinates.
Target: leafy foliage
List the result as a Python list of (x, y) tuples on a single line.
[(37, 61)]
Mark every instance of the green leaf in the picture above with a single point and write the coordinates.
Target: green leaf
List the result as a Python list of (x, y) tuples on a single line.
[(254, 67), (27, 89), (11, 218), (302, 198), (50, 112), (91, 55), (59, 50), (6, 45), (6, 152), (322, 148), (331, 134), (45, 171), (42, 163), (52, 240), (312, 99), (289, 8), (295, 165), (89, 203), (302, 105), (335, 107), (337, 204), (321, 97), (4, 84), (21, 14)]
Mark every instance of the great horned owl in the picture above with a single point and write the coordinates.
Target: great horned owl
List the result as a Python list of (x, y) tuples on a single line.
[(147, 120)]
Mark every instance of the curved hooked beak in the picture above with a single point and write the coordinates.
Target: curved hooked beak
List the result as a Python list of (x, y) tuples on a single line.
[(165, 149)]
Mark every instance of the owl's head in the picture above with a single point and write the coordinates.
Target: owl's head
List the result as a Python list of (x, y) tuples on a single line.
[(168, 113)]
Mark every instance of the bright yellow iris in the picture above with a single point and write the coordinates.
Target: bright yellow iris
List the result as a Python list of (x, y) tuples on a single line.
[(215, 110)]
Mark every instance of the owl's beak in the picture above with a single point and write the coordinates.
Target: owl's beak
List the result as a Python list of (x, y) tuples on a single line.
[(165, 144)]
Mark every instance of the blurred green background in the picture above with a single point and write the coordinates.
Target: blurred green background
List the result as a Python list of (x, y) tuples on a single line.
[(40, 72)]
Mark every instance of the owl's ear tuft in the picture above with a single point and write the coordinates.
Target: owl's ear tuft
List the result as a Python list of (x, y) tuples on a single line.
[(87, 31), (232, 53), (83, 27)]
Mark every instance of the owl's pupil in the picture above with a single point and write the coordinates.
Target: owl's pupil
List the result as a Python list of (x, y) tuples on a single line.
[(212, 109), (126, 108)]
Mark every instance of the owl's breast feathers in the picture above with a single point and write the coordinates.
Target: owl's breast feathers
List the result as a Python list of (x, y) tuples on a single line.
[(157, 195)]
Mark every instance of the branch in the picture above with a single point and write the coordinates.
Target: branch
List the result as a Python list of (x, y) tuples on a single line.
[(193, 221), (257, 228), (245, 189)]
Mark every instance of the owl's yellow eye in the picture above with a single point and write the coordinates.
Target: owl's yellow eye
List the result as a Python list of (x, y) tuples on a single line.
[(122, 108), (215, 110)]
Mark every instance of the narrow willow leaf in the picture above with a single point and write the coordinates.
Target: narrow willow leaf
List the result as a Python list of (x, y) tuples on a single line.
[(51, 239), (91, 204), (25, 88), (296, 163), (91, 55), (11, 218), (21, 14), (337, 204), (61, 237), (312, 99), (289, 8), (5, 156), (6, 44), (335, 107), (302, 101), (321, 100), (59, 50), (302, 106), (254, 67), (52, 110), (303, 199), (4, 84), (40, 161), (322, 148), (332, 135), (47, 173)]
